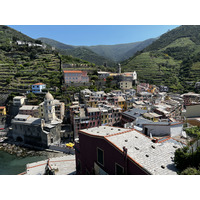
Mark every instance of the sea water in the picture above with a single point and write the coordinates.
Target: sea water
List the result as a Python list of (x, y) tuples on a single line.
[(13, 165)]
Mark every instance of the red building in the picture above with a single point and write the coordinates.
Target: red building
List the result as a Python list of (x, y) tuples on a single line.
[(110, 150)]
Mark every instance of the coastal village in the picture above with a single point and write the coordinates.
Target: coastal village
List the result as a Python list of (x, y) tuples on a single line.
[(126, 109), (134, 129)]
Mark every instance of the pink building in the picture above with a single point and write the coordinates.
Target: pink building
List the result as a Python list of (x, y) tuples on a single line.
[(76, 77)]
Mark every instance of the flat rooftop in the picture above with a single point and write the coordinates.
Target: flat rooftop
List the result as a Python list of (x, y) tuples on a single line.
[(90, 109), (19, 97), (157, 158), (26, 119), (29, 107)]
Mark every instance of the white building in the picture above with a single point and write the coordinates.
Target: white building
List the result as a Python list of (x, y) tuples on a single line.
[(161, 129), (19, 100), (103, 75)]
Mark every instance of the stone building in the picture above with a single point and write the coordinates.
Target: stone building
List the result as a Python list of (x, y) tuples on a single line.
[(59, 109), (37, 131), (125, 85)]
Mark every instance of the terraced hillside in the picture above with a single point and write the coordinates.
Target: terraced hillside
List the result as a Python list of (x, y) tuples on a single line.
[(173, 60), (21, 74), (21, 65)]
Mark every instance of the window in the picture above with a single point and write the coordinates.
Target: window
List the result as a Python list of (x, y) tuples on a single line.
[(100, 156), (119, 170)]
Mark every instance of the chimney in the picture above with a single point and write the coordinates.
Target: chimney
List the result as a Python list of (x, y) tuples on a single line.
[(155, 140)]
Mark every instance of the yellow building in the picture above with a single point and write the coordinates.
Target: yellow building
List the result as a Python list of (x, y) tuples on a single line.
[(104, 117), (122, 103), (92, 104), (2, 110)]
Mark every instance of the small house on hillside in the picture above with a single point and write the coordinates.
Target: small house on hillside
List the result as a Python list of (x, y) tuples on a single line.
[(37, 87)]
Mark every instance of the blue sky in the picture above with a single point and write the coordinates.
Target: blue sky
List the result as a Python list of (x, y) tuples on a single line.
[(94, 34)]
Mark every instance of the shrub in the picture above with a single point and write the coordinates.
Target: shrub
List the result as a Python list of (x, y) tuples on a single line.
[(190, 171)]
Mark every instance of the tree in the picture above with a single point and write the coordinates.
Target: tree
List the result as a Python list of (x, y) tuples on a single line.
[(38, 41), (33, 54), (193, 131), (190, 171), (8, 81), (109, 79), (182, 158), (31, 96), (94, 77), (15, 38)]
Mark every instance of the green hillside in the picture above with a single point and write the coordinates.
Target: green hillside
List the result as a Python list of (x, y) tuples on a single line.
[(56, 44), (100, 54), (79, 52), (8, 35), (173, 60), (120, 52), (23, 65)]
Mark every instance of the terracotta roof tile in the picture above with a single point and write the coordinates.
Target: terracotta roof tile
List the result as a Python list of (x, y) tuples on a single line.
[(72, 71), (39, 84)]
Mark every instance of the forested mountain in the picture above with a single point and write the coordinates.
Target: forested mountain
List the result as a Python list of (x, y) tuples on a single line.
[(78, 51), (100, 54), (120, 52), (173, 59)]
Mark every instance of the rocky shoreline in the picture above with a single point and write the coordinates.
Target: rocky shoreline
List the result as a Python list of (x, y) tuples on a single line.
[(21, 151), (17, 150)]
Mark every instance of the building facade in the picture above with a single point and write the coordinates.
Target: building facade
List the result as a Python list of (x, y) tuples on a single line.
[(19, 100), (29, 110), (76, 77), (36, 131), (59, 109), (123, 85), (38, 87), (108, 150), (161, 129)]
